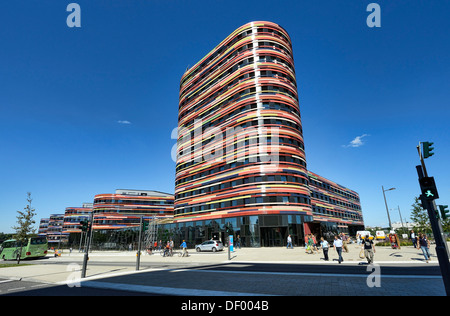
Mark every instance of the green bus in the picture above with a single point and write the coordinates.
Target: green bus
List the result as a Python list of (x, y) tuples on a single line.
[(34, 247)]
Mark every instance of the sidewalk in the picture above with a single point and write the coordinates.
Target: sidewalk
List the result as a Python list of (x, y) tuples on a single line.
[(107, 264)]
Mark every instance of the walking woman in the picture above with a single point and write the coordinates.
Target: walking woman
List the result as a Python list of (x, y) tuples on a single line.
[(424, 245)]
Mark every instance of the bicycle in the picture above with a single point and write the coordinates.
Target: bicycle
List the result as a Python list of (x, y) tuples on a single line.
[(166, 253), (183, 254)]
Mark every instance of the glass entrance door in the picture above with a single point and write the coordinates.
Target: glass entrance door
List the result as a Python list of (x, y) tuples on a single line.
[(273, 236)]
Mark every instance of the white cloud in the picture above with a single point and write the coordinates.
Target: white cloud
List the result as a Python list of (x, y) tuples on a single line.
[(124, 122), (357, 141)]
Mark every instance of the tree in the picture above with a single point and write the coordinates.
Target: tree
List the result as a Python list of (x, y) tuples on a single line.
[(25, 221), (445, 225), (420, 216)]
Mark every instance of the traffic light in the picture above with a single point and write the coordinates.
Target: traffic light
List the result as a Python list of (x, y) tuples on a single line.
[(229, 229), (84, 226), (444, 211), (144, 226), (428, 187), (427, 149)]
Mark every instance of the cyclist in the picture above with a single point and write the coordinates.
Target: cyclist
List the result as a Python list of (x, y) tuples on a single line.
[(184, 246), (167, 250)]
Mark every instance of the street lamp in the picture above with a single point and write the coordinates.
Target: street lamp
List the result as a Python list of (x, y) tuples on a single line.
[(387, 210), (399, 213)]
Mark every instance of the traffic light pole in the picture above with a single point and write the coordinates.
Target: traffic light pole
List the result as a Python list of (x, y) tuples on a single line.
[(441, 247), (422, 162), (88, 242)]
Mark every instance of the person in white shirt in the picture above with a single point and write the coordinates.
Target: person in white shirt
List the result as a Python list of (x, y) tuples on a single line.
[(324, 245), (337, 244), (289, 242)]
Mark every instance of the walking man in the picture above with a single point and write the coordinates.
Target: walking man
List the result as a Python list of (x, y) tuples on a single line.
[(337, 245), (414, 239), (369, 249), (324, 245), (289, 242)]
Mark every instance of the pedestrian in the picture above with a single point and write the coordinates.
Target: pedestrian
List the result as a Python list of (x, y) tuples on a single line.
[(171, 247), (315, 243), (369, 249), (289, 242), (424, 245), (344, 242), (337, 245), (310, 244), (324, 245), (414, 239), (238, 241)]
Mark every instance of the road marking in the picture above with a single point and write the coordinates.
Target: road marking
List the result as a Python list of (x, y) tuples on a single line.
[(163, 290), (17, 288), (6, 281), (39, 285)]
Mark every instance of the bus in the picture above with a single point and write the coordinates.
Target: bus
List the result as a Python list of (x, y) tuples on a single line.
[(34, 247), (380, 234), (363, 233)]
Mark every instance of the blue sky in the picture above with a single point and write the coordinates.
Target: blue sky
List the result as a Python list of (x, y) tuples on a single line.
[(89, 110)]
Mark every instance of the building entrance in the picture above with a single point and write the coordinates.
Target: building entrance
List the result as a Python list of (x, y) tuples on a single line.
[(273, 236)]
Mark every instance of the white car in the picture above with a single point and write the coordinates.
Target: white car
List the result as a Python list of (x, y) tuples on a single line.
[(210, 245)]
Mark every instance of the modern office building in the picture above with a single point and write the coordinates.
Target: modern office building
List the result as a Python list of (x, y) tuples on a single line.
[(124, 208), (74, 215), (43, 226), (55, 234), (335, 208), (241, 156)]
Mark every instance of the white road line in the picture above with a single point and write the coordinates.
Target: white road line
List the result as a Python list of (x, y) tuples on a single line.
[(163, 290), (38, 285), (17, 288), (6, 281)]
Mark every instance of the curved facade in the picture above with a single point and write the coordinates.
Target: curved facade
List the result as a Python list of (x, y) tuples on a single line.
[(125, 208), (73, 216), (240, 144)]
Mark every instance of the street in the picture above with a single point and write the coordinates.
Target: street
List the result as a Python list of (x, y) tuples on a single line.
[(244, 279), (250, 272)]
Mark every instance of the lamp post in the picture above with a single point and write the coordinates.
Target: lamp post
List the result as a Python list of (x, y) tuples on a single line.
[(387, 209)]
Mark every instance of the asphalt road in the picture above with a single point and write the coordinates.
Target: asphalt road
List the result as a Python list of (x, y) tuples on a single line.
[(293, 273), (239, 278), (29, 288)]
